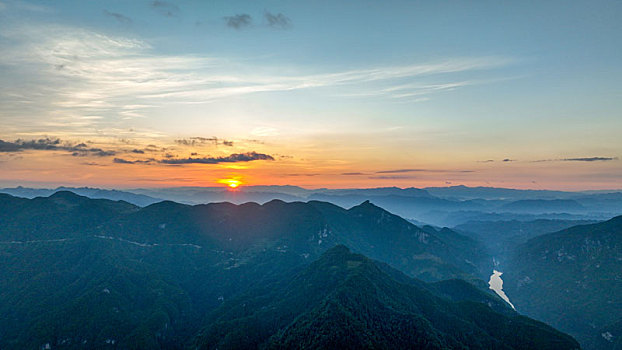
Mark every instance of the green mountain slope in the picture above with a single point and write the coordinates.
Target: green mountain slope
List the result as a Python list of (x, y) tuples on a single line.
[(77, 272), (572, 279), (345, 301)]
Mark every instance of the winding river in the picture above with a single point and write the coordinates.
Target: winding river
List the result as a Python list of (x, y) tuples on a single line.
[(496, 283)]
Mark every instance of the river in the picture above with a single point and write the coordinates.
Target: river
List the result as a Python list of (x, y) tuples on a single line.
[(496, 283)]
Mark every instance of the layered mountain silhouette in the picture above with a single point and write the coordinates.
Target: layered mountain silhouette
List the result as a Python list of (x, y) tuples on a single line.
[(446, 206), (92, 273)]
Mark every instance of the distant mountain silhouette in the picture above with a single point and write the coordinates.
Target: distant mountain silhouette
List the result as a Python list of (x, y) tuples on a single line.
[(95, 193), (441, 206), (543, 206)]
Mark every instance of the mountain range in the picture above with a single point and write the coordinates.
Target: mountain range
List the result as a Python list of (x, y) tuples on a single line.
[(77, 272), (441, 206)]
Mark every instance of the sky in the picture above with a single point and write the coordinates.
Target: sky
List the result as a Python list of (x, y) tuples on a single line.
[(336, 94)]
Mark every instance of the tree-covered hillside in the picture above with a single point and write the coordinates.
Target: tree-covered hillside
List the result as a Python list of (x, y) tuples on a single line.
[(84, 273), (572, 279)]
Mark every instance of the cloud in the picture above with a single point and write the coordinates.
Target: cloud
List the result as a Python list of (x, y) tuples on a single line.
[(393, 177), (353, 174), (298, 175), (278, 20), (165, 8), (492, 160), (233, 158), (578, 159), (238, 21), (48, 144), (98, 152), (589, 159), (119, 17), (68, 78), (402, 171), (194, 141), (9, 147), (125, 161), (397, 171)]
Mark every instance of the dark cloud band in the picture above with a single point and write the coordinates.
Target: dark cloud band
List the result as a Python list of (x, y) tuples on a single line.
[(47, 144), (232, 158)]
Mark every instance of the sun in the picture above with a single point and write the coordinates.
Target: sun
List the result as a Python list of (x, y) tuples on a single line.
[(232, 183)]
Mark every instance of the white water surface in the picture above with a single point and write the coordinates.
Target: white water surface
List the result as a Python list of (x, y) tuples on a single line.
[(496, 284)]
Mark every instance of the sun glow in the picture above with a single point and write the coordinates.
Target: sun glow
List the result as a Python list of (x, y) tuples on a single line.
[(232, 183)]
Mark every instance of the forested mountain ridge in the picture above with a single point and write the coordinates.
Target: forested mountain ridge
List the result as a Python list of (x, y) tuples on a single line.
[(77, 272), (572, 279), (345, 301)]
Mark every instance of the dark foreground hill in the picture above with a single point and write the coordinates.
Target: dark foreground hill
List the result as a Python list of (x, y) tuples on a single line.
[(83, 273), (572, 279), (345, 301)]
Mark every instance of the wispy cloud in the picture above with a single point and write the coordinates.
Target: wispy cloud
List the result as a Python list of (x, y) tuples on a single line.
[(578, 159), (238, 21), (401, 171), (165, 8), (398, 171), (139, 161), (277, 20), (353, 174), (589, 159), (70, 77), (393, 177), (196, 141), (118, 17)]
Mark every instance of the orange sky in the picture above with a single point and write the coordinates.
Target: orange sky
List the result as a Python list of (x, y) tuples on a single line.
[(304, 166)]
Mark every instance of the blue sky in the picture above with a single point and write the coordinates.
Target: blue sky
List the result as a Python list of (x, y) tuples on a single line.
[(324, 87)]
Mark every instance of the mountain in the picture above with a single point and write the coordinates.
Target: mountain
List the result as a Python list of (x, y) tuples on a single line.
[(536, 206), (79, 272), (63, 215), (442, 206), (307, 229), (572, 279), (502, 237), (345, 301), (465, 193), (425, 208), (96, 193), (376, 192)]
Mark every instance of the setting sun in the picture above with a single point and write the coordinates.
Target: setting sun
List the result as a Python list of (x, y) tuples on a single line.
[(231, 182)]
